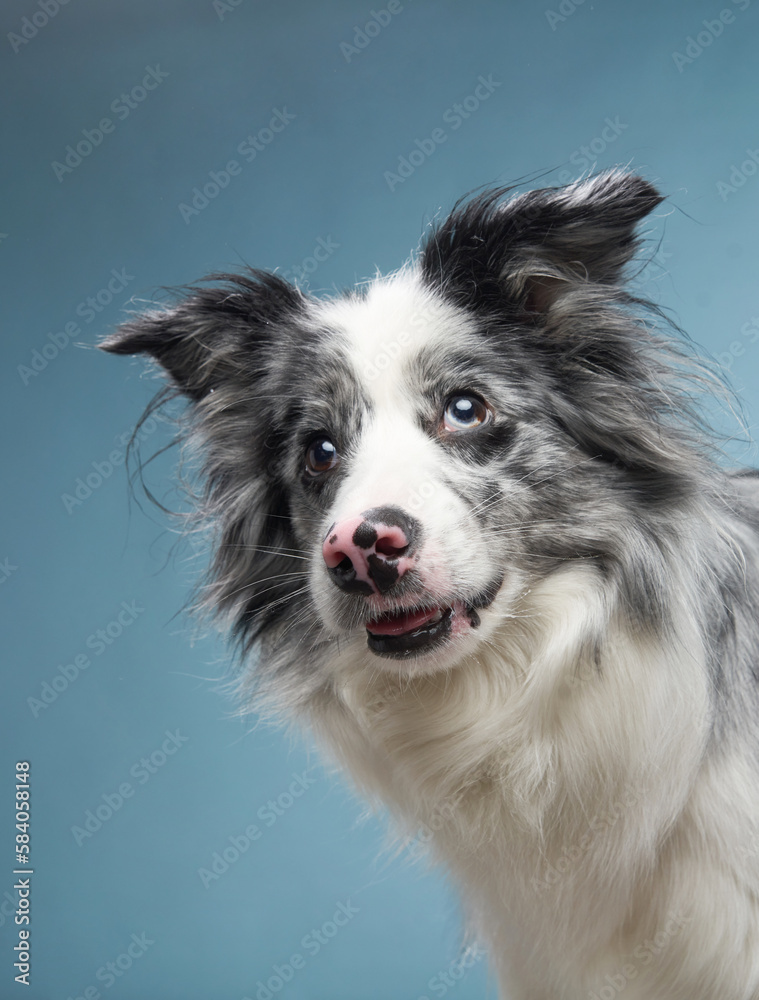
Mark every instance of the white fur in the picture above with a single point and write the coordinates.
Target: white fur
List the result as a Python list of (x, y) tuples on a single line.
[(580, 814), (542, 757)]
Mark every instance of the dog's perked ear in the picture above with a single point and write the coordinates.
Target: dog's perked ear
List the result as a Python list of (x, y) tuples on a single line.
[(527, 251), (215, 333)]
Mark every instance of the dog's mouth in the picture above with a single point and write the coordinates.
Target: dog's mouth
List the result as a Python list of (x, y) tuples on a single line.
[(408, 632)]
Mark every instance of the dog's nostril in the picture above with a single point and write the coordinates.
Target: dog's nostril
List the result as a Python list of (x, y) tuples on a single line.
[(344, 575), (397, 533), (385, 547), (334, 557)]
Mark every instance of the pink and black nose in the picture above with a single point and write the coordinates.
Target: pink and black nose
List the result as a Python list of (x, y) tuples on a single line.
[(369, 554)]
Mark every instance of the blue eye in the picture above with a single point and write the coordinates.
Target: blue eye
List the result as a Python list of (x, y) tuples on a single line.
[(464, 413), (321, 456)]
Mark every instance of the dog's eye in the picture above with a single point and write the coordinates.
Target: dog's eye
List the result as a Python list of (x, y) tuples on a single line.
[(464, 413), (321, 456)]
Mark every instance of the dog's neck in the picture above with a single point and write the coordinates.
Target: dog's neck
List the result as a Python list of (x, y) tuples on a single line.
[(538, 763), (522, 713)]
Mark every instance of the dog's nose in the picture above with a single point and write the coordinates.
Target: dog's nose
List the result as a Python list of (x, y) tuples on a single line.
[(368, 554)]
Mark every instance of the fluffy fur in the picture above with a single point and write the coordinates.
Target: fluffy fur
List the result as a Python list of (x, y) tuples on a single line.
[(584, 739)]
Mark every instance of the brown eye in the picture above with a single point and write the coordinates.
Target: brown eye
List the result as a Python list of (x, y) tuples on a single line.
[(464, 413), (321, 456)]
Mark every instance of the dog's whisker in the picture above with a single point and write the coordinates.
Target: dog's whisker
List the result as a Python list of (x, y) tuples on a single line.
[(255, 583), (294, 554)]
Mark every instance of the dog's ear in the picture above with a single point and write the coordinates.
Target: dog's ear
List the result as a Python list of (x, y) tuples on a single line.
[(528, 251), (215, 331)]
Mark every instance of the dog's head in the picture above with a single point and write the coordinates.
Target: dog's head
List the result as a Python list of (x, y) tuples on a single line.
[(396, 466)]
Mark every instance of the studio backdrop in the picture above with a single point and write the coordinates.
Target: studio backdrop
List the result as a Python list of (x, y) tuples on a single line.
[(178, 850)]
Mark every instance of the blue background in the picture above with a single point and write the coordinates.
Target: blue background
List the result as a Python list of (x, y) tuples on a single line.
[(69, 567)]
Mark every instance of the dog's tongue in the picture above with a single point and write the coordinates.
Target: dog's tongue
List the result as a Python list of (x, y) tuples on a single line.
[(402, 621)]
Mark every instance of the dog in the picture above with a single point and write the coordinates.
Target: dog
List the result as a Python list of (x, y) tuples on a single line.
[(475, 537)]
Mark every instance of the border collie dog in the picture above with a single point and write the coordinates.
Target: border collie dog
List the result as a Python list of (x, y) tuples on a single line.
[(471, 528)]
